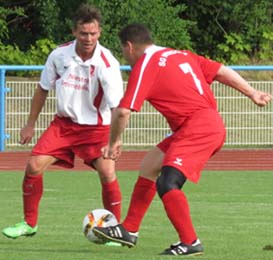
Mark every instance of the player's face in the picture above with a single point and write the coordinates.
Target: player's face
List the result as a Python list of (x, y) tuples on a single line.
[(87, 35)]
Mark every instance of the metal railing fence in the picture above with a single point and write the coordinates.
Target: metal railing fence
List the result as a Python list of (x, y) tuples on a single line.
[(247, 124)]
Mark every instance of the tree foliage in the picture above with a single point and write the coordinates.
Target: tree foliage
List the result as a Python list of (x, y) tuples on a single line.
[(26, 31), (160, 16), (232, 32)]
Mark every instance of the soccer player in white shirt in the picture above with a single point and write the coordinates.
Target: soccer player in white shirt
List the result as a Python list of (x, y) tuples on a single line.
[(88, 85)]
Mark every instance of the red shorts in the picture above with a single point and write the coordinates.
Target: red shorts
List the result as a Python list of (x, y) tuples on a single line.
[(194, 143), (64, 139)]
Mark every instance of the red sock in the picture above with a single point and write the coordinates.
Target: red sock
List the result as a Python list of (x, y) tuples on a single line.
[(32, 193), (111, 197), (177, 209), (142, 196)]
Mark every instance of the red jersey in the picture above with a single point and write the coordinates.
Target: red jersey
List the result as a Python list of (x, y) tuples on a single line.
[(175, 82)]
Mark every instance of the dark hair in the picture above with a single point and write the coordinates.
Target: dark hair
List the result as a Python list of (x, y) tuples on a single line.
[(135, 33), (86, 14)]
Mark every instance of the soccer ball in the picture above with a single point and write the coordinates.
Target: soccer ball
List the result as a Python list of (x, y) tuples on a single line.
[(97, 218)]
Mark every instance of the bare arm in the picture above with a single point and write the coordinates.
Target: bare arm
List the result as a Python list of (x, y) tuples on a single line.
[(120, 119), (37, 104), (231, 78)]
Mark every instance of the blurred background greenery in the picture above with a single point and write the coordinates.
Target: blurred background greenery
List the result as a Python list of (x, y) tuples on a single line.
[(236, 33)]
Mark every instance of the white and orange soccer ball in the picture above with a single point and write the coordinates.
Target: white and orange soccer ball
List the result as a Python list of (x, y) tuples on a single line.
[(97, 218)]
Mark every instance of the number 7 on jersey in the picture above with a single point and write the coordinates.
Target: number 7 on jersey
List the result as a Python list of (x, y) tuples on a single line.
[(186, 68)]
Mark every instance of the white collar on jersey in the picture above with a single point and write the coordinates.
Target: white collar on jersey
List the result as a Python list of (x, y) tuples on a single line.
[(153, 48)]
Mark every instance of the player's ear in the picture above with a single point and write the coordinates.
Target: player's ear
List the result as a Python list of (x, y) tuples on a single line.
[(130, 46), (74, 30), (99, 32), (126, 47)]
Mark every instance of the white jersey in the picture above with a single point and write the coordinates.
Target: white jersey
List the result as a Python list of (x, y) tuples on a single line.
[(85, 90)]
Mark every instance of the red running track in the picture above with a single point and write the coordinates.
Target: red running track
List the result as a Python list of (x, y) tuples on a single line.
[(130, 160)]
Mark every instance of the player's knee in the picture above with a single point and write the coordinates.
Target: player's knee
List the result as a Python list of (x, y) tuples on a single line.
[(170, 179), (107, 178), (106, 174), (34, 166)]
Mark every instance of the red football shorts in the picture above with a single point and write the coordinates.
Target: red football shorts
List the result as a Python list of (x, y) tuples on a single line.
[(64, 139), (194, 143)]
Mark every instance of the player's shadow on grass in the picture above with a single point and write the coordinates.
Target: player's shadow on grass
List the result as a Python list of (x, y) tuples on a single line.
[(268, 247)]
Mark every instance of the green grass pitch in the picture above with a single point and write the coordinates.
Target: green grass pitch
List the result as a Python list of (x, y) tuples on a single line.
[(232, 212)]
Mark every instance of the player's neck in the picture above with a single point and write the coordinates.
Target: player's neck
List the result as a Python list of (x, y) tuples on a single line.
[(85, 56)]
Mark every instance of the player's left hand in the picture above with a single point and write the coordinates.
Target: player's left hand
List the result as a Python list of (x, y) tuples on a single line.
[(261, 98)]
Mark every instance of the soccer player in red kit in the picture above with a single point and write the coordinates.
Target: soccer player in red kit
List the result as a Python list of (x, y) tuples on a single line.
[(177, 84), (88, 84)]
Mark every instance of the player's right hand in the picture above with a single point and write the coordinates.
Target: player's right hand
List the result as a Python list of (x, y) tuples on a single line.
[(261, 98), (112, 152), (26, 134)]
